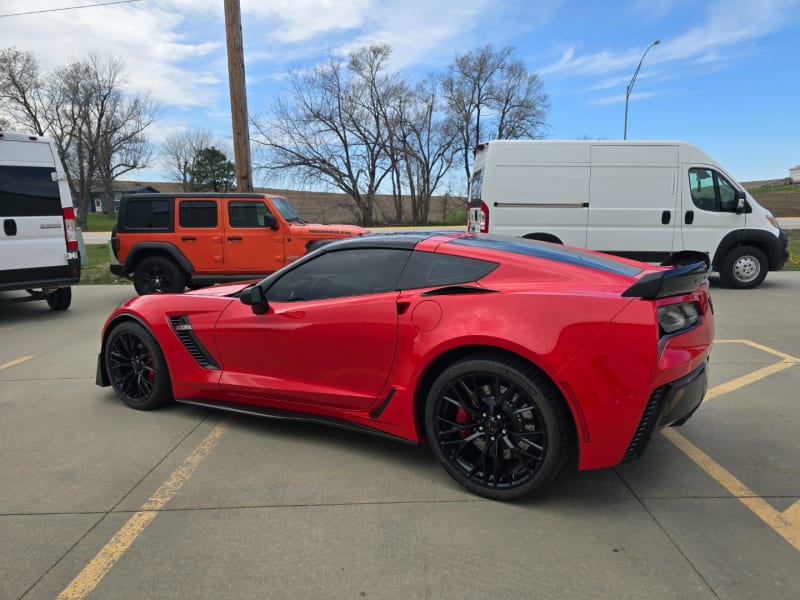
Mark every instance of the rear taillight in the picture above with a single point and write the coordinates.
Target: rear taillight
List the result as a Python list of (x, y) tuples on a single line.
[(70, 229), (484, 221)]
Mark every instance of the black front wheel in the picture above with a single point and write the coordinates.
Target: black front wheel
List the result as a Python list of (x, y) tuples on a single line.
[(499, 428), (136, 367), (744, 268)]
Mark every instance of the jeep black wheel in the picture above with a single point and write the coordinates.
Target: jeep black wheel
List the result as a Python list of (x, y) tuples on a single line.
[(136, 367), (499, 428), (158, 275)]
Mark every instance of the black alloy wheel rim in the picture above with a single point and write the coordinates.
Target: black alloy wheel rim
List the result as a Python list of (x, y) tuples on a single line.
[(490, 430), (131, 366), (156, 280)]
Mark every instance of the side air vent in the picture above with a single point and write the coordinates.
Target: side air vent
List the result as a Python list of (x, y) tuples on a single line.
[(647, 425), (183, 329)]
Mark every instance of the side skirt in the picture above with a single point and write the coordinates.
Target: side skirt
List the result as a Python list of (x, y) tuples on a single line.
[(288, 415)]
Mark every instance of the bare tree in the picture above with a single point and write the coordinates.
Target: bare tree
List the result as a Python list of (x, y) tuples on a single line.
[(489, 94), (329, 129), (429, 145), (21, 104), (99, 130), (181, 150)]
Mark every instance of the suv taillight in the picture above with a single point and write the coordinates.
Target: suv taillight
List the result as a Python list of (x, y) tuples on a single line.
[(70, 229)]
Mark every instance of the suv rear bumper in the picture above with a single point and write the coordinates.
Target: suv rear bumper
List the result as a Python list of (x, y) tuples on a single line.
[(118, 270)]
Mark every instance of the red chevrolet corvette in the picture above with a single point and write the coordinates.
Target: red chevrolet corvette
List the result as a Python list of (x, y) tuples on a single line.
[(506, 354)]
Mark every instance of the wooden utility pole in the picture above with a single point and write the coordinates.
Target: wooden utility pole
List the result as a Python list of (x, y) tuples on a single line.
[(239, 118)]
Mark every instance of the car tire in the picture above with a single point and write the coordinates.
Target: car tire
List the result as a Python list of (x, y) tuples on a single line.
[(158, 275), (498, 427), (744, 268), (60, 299), (136, 367)]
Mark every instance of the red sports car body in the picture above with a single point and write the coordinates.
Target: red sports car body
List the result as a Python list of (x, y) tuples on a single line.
[(506, 354)]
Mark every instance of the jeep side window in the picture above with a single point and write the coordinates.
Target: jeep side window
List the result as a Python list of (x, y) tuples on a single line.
[(247, 213), (197, 213), (711, 191), (147, 213)]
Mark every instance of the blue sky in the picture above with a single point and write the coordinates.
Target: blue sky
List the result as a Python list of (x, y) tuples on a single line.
[(726, 75)]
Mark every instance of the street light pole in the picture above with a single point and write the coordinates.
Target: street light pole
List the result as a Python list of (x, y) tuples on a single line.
[(630, 86)]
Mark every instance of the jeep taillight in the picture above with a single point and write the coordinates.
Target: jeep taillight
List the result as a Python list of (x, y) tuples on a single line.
[(70, 229)]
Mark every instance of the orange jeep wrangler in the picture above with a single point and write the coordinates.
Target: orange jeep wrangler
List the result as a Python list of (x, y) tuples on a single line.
[(171, 241)]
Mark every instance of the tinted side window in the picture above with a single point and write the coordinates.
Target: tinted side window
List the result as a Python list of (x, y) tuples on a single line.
[(426, 269), (247, 213), (198, 213), (28, 192), (341, 273), (147, 213)]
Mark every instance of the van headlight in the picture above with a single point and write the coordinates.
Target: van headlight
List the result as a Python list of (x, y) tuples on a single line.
[(677, 317), (771, 218)]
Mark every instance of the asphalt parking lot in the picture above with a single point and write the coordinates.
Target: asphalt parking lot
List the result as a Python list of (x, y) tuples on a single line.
[(101, 501)]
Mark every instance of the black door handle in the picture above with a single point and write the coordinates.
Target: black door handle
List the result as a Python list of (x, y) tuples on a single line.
[(666, 217), (236, 238), (689, 218), (10, 226), (189, 238)]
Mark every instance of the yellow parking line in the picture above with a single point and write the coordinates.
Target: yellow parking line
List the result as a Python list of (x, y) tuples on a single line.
[(15, 362), (744, 380), (763, 348), (786, 524), (88, 579)]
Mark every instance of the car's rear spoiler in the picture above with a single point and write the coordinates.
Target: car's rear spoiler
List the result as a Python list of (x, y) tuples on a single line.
[(672, 282)]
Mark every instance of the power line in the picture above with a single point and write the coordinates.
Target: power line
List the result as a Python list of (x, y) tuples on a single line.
[(51, 10)]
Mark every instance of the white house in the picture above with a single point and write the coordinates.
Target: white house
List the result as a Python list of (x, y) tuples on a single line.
[(794, 174)]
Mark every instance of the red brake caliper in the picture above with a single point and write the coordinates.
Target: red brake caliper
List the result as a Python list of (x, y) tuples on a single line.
[(462, 417)]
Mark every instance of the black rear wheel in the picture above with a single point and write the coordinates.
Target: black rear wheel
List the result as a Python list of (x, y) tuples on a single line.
[(500, 429), (60, 298), (136, 367), (158, 275)]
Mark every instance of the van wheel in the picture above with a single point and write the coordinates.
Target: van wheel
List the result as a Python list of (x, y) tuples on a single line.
[(744, 268), (158, 275), (60, 299)]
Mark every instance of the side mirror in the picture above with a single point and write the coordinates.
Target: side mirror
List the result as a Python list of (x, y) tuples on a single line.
[(741, 202), (271, 222), (254, 298)]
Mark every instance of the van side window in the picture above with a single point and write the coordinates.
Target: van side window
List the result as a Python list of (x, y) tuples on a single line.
[(198, 213), (247, 213), (711, 191)]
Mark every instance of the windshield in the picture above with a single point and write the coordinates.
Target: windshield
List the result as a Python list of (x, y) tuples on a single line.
[(287, 210)]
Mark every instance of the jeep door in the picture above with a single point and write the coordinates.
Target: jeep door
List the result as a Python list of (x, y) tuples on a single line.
[(198, 234), (251, 245)]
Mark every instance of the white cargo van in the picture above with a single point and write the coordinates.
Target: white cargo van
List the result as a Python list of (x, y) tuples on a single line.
[(642, 200), (39, 238)]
